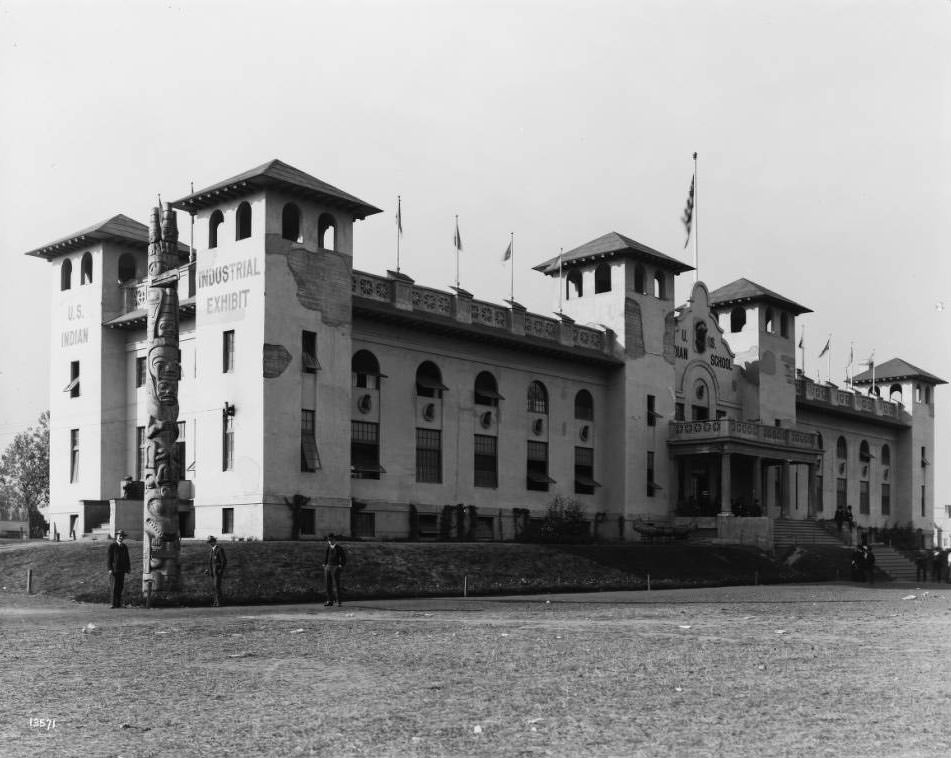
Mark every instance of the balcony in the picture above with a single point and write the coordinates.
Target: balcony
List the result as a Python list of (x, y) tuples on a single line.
[(833, 399), (133, 298), (439, 309), (726, 430)]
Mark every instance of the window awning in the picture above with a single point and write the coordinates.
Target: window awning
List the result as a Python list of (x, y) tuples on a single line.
[(71, 385), (368, 468), (489, 393), (537, 478), (308, 451), (431, 384), (311, 363), (587, 481)]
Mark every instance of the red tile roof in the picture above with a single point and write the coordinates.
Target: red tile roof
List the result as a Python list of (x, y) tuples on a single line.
[(745, 291), (612, 245)]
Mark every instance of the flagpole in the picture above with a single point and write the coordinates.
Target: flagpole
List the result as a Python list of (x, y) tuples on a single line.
[(696, 223), (399, 232), (457, 251), (802, 348), (851, 359), (829, 372), (560, 285), (512, 265)]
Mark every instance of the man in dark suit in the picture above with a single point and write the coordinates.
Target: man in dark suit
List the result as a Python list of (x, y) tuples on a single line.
[(216, 568), (334, 560), (119, 566)]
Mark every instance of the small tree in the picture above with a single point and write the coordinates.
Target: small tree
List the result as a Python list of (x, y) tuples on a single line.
[(296, 503), (565, 522), (25, 472)]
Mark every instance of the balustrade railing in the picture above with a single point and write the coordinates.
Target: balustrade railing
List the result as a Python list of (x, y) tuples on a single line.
[(725, 428)]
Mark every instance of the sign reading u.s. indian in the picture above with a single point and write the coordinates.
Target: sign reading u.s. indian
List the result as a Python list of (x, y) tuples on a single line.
[(694, 339), (226, 289)]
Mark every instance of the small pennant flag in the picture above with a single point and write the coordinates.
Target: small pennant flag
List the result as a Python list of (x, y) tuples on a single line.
[(826, 348), (457, 239), (399, 217), (687, 218), (508, 252)]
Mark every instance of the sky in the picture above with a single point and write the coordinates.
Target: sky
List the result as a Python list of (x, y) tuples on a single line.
[(823, 133)]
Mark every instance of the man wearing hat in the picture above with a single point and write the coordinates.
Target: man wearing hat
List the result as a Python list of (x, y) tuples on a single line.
[(119, 566), (334, 561), (216, 567)]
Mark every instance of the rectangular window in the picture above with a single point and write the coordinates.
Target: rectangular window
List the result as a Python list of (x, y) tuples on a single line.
[(924, 451), (651, 412), (74, 455), (486, 461), (922, 500), (365, 450), (679, 412), (308, 521), (227, 351), (819, 493), (700, 412), (484, 528), (886, 499), (584, 471), (537, 467), (227, 443), (863, 497), (428, 525), (227, 520), (141, 448), (73, 386), (650, 474), (841, 492), (309, 458), (363, 524), (308, 351), (181, 449), (429, 455), (140, 371)]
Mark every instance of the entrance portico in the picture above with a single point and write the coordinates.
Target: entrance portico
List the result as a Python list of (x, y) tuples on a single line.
[(724, 466)]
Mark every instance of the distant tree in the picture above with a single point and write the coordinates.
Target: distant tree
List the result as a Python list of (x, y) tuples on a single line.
[(564, 522), (25, 472)]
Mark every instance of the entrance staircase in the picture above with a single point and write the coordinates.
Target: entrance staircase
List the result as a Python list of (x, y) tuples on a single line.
[(101, 532), (789, 532), (893, 563)]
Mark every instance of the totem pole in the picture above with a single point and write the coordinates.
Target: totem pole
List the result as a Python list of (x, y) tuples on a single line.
[(160, 570)]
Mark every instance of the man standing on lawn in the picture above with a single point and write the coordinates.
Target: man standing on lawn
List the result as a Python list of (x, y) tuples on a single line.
[(119, 566), (334, 560), (216, 568)]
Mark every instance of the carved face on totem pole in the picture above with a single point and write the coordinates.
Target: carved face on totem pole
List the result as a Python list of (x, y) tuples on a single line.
[(164, 372)]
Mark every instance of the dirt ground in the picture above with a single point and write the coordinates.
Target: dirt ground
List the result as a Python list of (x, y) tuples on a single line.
[(792, 670)]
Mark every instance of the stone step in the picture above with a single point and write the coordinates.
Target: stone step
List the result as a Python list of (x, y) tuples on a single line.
[(789, 532)]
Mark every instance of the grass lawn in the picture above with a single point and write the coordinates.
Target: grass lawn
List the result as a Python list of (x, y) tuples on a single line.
[(267, 572), (787, 670)]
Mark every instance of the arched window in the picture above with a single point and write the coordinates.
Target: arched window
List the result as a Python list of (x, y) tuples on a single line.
[(700, 402), (327, 231), (602, 278), (243, 221), (486, 389), (290, 223), (429, 380), (573, 282), (85, 269), (841, 449), (660, 291), (537, 398), (126, 271), (66, 275), (783, 325), (768, 321), (640, 280), (365, 369), (819, 441), (886, 456), (737, 319), (584, 406), (894, 393), (864, 454), (216, 220)]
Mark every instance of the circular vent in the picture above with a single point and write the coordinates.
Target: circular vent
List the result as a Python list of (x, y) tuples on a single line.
[(365, 404), (538, 426), (429, 411), (584, 433), (486, 419)]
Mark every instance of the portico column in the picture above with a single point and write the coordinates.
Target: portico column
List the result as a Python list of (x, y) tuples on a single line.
[(726, 487), (758, 485), (811, 487), (784, 490)]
